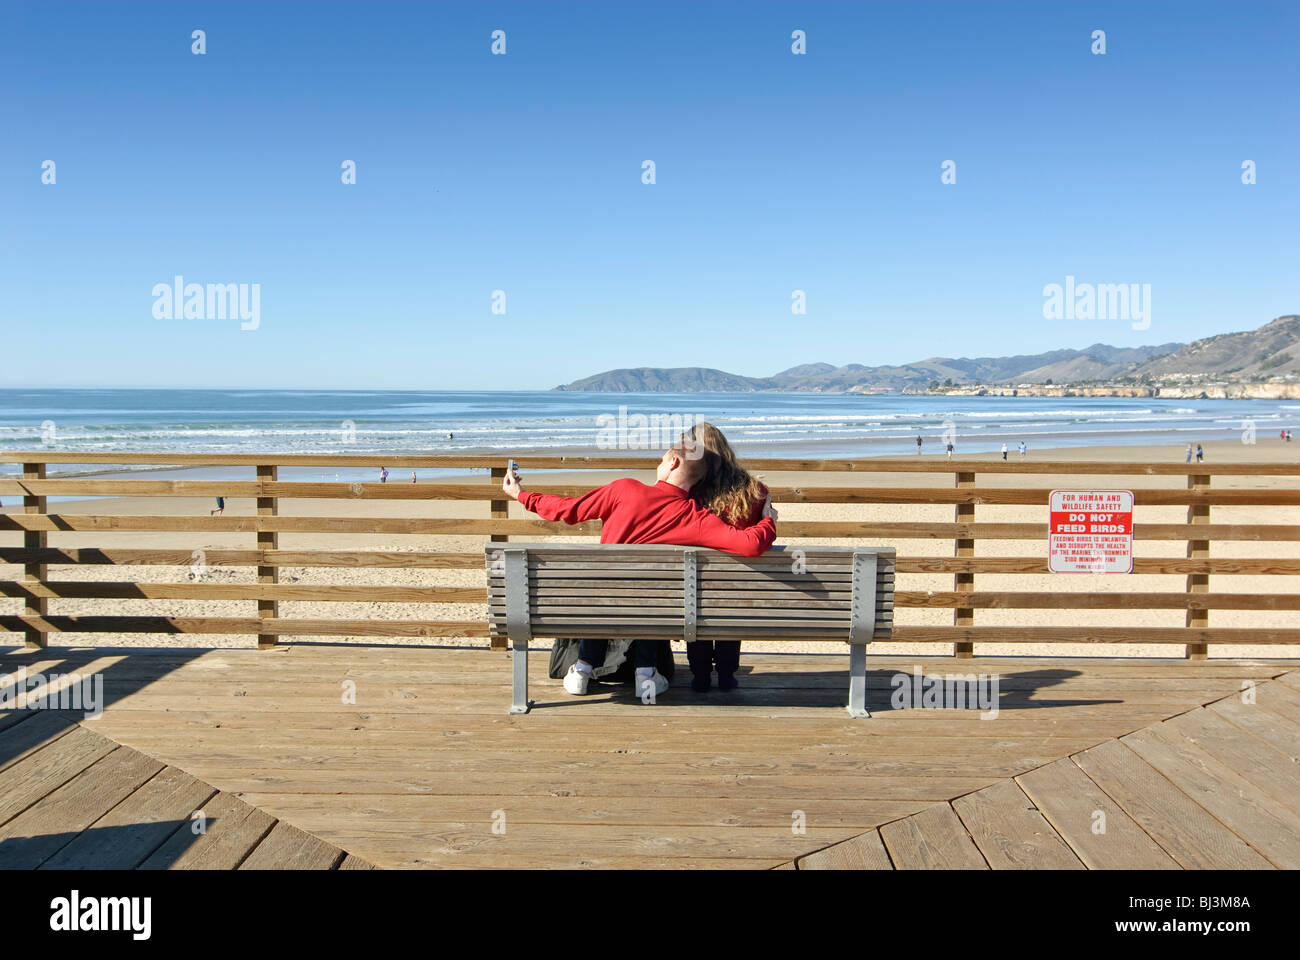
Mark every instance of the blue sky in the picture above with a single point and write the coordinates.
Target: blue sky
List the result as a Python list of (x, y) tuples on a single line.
[(522, 173)]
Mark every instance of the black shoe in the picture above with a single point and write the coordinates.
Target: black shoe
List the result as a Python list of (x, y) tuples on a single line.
[(727, 681), (700, 656)]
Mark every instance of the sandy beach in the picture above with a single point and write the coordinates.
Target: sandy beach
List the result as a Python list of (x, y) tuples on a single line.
[(1267, 450)]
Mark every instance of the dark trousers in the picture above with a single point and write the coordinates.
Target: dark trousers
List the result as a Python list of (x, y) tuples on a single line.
[(704, 655), (593, 652)]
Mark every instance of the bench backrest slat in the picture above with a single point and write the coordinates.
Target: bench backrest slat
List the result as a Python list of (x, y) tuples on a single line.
[(649, 590)]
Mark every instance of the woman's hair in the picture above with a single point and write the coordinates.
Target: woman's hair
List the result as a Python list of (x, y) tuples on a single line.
[(726, 488)]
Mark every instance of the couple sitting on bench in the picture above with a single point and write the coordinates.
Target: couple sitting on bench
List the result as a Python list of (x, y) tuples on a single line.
[(703, 498)]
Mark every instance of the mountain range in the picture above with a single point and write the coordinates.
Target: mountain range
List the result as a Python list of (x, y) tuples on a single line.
[(1269, 352)]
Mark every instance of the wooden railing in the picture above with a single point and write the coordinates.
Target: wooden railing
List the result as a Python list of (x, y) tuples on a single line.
[(1194, 491)]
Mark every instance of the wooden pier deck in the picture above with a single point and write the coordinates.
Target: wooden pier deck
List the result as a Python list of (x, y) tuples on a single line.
[(342, 755), (74, 799)]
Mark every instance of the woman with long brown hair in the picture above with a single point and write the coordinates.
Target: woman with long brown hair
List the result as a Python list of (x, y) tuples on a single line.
[(729, 491)]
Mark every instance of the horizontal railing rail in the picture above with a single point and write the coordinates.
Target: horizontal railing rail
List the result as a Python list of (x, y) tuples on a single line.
[(25, 537)]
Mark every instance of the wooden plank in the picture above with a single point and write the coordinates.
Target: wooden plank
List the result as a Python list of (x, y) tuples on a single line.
[(267, 574), (360, 809), (80, 522), (1183, 829), (232, 829), (1198, 515), (328, 660), (130, 832), (864, 852), (452, 763), (933, 839), (499, 510), (1010, 833), (399, 854), (1141, 565), (41, 727), (424, 559), (9, 718), (351, 862), (1279, 698), (1272, 771), (1120, 635), (100, 556), (463, 843), (34, 573), (241, 776), (643, 463), (251, 625), (1280, 732), (129, 590), (474, 628), (39, 832), (1268, 826), (288, 848), (1108, 600), (207, 489), (964, 583), (1070, 802), (43, 771)]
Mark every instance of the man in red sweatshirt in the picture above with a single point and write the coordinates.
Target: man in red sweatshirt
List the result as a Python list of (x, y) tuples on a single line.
[(632, 512)]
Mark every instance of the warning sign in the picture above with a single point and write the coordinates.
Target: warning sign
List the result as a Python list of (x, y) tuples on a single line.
[(1091, 531)]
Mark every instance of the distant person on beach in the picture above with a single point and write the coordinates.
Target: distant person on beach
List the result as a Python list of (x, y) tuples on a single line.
[(383, 474), (634, 512), (1200, 454), (949, 449), (1004, 451), (918, 444), (221, 506), (1189, 453), (413, 476), (1022, 449)]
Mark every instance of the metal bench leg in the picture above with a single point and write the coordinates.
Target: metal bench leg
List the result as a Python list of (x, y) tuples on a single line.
[(858, 682), (519, 688), (518, 626)]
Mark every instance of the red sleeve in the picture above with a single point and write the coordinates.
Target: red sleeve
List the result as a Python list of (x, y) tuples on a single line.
[(597, 504), (712, 531)]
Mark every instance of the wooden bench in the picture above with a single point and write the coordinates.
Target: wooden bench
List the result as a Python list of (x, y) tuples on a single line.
[(652, 591)]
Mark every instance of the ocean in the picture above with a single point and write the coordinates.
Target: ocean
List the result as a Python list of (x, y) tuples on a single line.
[(532, 422)]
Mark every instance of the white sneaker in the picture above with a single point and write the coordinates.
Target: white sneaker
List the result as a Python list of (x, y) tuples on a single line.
[(642, 684), (575, 681)]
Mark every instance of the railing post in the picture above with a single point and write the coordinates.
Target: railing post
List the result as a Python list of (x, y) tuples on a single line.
[(267, 573), (964, 582), (1198, 514), (499, 510), (35, 573)]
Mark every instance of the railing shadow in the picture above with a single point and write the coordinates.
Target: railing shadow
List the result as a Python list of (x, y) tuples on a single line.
[(130, 675), (128, 847), (1017, 690)]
